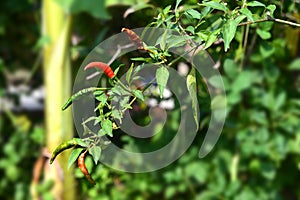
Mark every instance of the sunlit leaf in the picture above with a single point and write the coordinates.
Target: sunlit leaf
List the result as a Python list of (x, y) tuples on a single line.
[(192, 88), (162, 76)]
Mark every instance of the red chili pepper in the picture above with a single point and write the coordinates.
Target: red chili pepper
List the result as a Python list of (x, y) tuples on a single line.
[(104, 67), (136, 40), (82, 167)]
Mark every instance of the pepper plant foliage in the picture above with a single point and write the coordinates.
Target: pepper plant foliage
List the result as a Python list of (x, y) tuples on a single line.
[(210, 24)]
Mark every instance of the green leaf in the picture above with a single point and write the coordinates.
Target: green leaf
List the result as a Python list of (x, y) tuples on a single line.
[(279, 101), (95, 8), (212, 37), (230, 68), (193, 13), (136, 7), (216, 5), (243, 81), (80, 142), (101, 97), (191, 29), (247, 13), (176, 41), (95, 152), (266, 49), (216, 81), (177, 3), (162, 76), (138, 94), (117, 114), (129, 73), (107, 126), (73, 156), (163, 40), (255, 3), (271, 8), (295, 65), (228, 32), (192, 88), (218, 102), (263, 34)]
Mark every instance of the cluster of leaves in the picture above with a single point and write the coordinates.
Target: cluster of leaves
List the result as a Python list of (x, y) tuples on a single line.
[(112, 102), (257, 156), (260, 139)]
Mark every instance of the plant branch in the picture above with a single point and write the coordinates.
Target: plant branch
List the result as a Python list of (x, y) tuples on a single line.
[(269, 18)]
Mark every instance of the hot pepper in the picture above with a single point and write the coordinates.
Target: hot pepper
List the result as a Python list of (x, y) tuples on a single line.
[(63, 146), (136, 40), (104, 67), (82, 167)]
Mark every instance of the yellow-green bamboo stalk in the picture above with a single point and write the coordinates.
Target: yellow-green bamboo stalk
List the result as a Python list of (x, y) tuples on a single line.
[(57, 76)]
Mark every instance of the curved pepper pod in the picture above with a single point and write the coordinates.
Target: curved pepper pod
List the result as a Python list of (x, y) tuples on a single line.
[(104, 67), (83, 169)]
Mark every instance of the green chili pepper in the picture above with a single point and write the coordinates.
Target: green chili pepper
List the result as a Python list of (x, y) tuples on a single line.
[(79, 94), (63, 146)]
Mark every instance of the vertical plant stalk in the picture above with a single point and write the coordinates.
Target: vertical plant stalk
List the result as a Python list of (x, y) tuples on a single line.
[(57, 78)]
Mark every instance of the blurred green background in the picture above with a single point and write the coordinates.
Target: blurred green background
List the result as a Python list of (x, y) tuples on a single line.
[(256, 157)]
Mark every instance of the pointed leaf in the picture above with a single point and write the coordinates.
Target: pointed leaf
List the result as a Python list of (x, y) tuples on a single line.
[(139, 94), (228, 32), (95, 152), (129, 73), (73, 156), (107, 127), (80, 142), (192, 88), (247, 13), (162, 76), (216, 5)]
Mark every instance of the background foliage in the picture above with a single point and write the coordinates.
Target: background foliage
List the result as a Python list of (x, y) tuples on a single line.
[(257, 155)]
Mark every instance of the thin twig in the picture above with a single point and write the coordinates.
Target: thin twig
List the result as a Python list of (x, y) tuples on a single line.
[(269, 18)]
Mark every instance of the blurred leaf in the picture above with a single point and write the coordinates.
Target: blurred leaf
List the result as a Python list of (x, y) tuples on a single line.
[(266, 49), (216, 81), (200, 168), (295, 65), (170, 191), (162, 76), (95, 8), (271, 8), (263, 34), (230, 68), (243, 81), (136, 7)]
